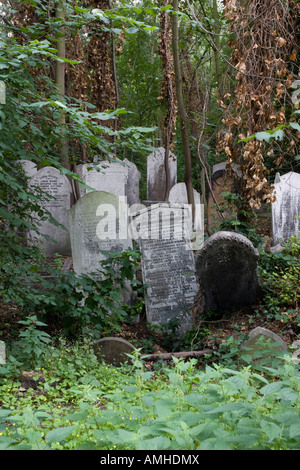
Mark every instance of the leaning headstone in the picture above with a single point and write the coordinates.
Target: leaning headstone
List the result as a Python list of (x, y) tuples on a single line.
[(98, 221), (222, 181), (156, 174), (113, 350), (28, 167), (2, 352), (286, 208), (226, 267), (58, 187), (133, 183), (262, 346), (168, 266), (109, 176)]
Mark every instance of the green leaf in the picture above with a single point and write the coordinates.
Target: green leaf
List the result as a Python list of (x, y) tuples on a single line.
[(132, 30), (295, 430), (272, 430), (156, 443), (295, 125), (59, 434)]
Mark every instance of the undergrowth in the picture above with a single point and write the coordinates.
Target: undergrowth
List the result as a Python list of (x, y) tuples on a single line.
[(82, 404)]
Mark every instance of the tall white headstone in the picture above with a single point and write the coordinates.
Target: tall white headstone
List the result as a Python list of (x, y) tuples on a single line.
[(57, 202), (109, 176), (156, 174), (286, 208)]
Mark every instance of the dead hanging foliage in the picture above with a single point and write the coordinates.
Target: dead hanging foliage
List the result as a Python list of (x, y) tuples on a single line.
[(264, 54), (101, 87)]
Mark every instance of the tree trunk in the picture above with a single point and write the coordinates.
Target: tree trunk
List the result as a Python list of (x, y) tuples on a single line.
[(60, 77), (217, 44), (182, 111)]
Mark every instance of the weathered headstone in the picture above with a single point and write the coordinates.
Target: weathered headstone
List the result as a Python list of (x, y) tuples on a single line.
[(98, 221), (2, 92), (286, 208), (113, 350), (2, 352), (29, 167), (222, 181), (263, 345), (156, 174), (168, 265), (109, 176), (58, 187), (226, 267), (178, 195), (133, 183)]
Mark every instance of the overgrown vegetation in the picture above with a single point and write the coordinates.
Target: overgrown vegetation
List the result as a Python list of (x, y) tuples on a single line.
[(237, 69), (83, 405)]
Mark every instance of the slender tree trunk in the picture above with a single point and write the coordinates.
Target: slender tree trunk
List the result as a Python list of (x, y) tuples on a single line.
[(182, 111), (60, 76), (217, 44)]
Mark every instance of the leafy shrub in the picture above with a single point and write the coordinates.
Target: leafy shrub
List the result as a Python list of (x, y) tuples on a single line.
[(280, 274), (178, 408)]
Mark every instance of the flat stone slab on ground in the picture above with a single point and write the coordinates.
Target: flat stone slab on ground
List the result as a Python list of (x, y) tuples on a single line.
[(113, 350)]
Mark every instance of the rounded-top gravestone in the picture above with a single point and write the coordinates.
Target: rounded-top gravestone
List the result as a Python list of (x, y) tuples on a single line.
[(226, 267), (113, 350)]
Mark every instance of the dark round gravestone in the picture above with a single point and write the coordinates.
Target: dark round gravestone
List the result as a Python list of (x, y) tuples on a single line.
[(113, 350)]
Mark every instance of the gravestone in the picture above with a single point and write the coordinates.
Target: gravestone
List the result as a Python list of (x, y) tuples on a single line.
[(286, 208), (29, 167), (113, 350), (2, 353), (156, 174), (262, 345), (109, 176), (133, 183), (178, 195), (98, 221), (222, 181), (2, 92), (168, 266), (50, 181), (226, 267)]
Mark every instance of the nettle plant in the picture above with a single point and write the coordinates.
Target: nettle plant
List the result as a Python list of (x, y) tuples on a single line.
[(179, 407), (280, 273)]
